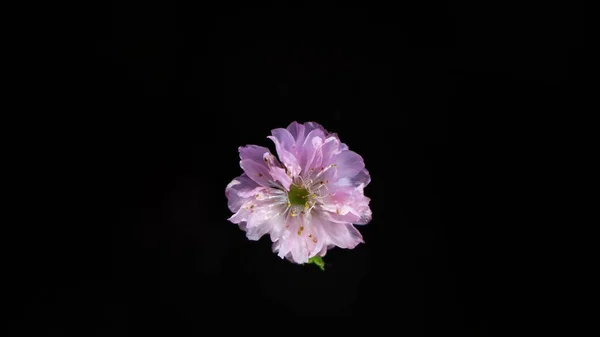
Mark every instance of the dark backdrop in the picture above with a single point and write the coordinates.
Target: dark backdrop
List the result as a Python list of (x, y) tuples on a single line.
[(135, 238)]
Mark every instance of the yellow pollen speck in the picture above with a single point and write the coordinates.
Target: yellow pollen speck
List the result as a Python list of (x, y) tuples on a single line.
[(337, 211), (314, 240), (301, 228)]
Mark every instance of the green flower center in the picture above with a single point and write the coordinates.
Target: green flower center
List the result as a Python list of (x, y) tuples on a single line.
[(297, 195)]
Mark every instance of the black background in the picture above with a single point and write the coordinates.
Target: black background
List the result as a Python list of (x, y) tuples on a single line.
[(135, 238)]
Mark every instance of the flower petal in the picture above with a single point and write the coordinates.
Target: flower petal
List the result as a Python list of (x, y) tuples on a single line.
[(257, 230), (278, 229), (259, 217), (346, 204), (257, 172), (285, 145), (253, 152), (341, 235), (240, 189), (310, 154), (310, 126), (297, 131), (299, 249), (349, 164), (365, 214), (330, 149), (293, 245), (362, 179)]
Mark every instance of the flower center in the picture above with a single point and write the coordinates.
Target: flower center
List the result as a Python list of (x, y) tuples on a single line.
[(298, 195)]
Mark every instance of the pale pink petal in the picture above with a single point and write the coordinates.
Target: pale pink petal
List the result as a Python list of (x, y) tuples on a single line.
[(239, 189), (330, 150), (258, 217), (360, 207), (278, 229), (339, 200), (257, 172), (297, 131), (255, 233), (293, 245), (347, 205), (285, 145), (271, 225), (360, 180), (241, 216), (314, 238), (341, 235), (299, 251), (265, 168), (297, 238), (281, 247), (349, 164), (363, 178), (348, 217), (325, 176), (310, 154), (278, 173), (253, 152), (310, 126)]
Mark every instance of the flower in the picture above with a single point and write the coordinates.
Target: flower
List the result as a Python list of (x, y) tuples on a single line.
[(307, 198)]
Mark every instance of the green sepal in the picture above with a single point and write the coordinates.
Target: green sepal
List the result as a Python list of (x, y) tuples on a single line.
[(317, 260)]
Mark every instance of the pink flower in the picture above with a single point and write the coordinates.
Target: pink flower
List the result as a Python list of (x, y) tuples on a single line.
[(307, 198)]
